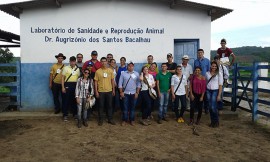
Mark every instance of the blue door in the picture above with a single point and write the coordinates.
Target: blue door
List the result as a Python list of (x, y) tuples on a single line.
[(185, 47)]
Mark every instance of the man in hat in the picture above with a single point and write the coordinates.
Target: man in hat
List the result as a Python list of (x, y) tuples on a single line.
[(104, 90), (96, 63), (55, 81), (225, 51), (70, 75), (129, 88), (170, 64), (187, 71)]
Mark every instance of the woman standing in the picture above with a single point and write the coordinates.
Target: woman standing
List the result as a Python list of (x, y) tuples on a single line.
[(114, 67), (197, 92), (146, 79), (213, 92), (84, 91), (178, 90), (153, 70)]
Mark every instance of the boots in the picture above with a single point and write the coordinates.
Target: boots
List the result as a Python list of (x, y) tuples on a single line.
[(198, 121), (79, 123), (85, 123), (190, 122)]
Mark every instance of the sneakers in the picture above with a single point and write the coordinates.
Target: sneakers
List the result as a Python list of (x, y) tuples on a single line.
[(165, 119), (190, 122), (180, 120), (111, 122), (85, 123), (100, 122), (159, 121), (132, 123), (79, 124), (123, 123), (143, 122), (57, 111), (65, 118)]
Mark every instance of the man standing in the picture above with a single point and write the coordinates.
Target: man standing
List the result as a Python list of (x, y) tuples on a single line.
[(55, 81), (187, 71), (104, 89), (150, 60), (170, 64), (96, 63), (79, 62), (163, 87), (225, 52), (204, 64), (70, 75), (129, 88)]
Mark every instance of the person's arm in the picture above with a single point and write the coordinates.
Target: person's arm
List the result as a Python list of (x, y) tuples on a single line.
[(96, 88), (77, 92), (63, 83), (50, 80), (233, 58), (158, 89)]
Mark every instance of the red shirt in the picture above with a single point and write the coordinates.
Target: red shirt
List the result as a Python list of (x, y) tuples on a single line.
[(224, 52), (96, 66), (198, 85)]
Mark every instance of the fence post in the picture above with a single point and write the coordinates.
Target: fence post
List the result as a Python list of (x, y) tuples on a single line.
[(234, 87), (18, 80), (255, 92)]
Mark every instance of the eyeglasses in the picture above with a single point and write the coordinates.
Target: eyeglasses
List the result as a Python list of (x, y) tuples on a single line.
[(179, 69), (86, 72), (79, 57), (109, 57)]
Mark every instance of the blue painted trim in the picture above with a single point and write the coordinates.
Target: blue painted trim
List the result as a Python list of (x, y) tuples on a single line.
[(188, 40)]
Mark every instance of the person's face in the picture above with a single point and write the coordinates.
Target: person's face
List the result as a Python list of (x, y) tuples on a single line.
[(223, 44), (89, 68), (150, 60), (185, 61), (104, 62), (122, 61), (197, 71), (94, 57), (213, 67), (60, 59), (145, 70), (113, 62), (164, 68), (130, 67), (72, 63), (200, 54), (109, 57), (179, 70), (86, 73), (79, 58), (169, 58), (153, 67)]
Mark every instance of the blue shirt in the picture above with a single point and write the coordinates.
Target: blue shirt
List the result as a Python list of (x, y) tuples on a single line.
[(131, 85), (204, 63), (120, 69)]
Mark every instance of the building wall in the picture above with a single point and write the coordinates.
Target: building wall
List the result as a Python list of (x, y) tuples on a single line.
[(37, 52)]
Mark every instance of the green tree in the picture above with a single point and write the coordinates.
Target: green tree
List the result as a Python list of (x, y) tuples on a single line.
[(6, 55)]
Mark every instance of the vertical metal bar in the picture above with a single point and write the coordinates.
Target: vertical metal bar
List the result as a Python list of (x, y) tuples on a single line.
[(234, 87), (255, 92), (18, 69)]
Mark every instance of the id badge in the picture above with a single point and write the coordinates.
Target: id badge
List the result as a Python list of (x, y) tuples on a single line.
[(58, 71), (105, 75), (133, 76), (73, 72), (223, 54)]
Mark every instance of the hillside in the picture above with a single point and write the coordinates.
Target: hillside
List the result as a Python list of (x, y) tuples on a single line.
[(249, 54)]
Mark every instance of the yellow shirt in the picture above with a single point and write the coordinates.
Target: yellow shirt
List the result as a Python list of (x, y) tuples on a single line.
[(148, 65), (104, 79), (56, 69), (75, 74)]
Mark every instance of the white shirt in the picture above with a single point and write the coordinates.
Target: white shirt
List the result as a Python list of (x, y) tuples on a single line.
[(175, 82), (187, 70), (150, 80), (214, 83)]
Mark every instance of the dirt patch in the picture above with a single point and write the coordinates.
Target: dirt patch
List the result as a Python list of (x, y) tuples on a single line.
[(51, 139)]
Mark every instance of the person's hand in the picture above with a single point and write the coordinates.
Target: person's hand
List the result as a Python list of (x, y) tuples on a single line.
[(63, 90), (173, 97), (122, 94), (192, 97), (113, 93), (136, 95), (97, 94), (201, 99), (78, 100), (50, 85), (218, 98), (159, 95)]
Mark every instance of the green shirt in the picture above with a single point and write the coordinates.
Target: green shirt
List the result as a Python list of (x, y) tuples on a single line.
[(164, 81)]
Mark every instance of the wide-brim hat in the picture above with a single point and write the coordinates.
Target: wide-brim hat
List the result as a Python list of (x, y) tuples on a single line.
[(60, 55)]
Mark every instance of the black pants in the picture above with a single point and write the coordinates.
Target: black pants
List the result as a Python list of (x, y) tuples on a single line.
[(56, 91), (105, 103), (196, 104), (69, 99), (183, 101)]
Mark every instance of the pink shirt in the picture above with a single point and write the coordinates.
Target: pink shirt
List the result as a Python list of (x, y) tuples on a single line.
[(154, 73), (198, 85)]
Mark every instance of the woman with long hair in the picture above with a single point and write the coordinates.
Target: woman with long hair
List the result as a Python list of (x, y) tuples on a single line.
[(213, 92), (146, 79), (178, 90), (197, 91), (83, 92)]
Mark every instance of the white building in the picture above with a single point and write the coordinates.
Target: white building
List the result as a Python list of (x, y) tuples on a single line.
[(130, 28)]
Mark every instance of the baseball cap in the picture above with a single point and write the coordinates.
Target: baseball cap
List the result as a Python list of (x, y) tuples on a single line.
[(169, 55), (130, 62), (90, 63), (94, 53), (185, 57)]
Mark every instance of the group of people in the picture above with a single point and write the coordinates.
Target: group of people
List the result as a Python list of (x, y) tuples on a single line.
[(104, 82)]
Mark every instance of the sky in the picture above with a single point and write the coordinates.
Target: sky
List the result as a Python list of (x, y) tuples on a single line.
[(247, 25)]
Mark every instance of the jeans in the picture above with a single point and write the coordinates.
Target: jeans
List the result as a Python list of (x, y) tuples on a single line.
[(183, 105), (81, 108), (163, 103), (56, 90), (220, 103), (129, 107), (105, 103), (69, 99), (196, 104), (212, 98), (146, 104)]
